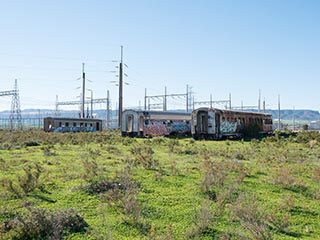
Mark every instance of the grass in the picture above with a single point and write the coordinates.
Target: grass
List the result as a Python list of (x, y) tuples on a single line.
[(153, 188)]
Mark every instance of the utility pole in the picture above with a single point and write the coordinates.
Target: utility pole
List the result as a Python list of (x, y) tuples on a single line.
[(294, 119), (120, 89), (230, 101), (279, 117), (91, 103), (193, 103), (83, 91), (259, 101), (108, 110), (57, 106), (187, 99), (145, 99), (210, 100), (39, 115), (264, 105), (165, 99), (15, 116)]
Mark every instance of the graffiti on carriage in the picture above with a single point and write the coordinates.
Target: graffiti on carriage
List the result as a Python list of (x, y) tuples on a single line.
[(155, 127)]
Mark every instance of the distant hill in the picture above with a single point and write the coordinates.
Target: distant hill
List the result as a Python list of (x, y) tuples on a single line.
[(287, 114)]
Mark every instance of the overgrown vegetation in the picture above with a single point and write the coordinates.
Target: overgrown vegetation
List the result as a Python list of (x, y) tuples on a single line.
[(41, 224), (102, 186)]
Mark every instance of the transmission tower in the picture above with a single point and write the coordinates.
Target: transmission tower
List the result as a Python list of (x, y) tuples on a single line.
[(15, 116)]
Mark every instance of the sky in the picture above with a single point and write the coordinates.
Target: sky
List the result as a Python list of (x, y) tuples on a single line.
[(216, 47)]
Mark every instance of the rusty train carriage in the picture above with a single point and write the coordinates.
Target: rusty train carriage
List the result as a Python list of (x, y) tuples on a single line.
[(155, 123), (212, 123), (60, 124)]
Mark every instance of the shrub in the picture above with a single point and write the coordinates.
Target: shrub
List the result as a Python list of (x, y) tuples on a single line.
[(251, 217), (307, 136), (26, 183), (30, 181), (130, 206), (103, 186), (286, 180), (48, 150), (41, 224), (251, 131), (31, 144), (202, 221), (91, 169), (144, 156)]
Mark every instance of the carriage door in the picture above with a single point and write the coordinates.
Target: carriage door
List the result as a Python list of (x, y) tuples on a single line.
[(211, 122), (217, 127), (140, 126), (129, 123), (203, 122)]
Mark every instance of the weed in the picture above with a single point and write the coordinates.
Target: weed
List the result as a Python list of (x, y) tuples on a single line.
[(251, 217), (144, 156), (103, 186), (40, 224), (31, 144), (30, 181), (172, 144), (174, 170), (91, 169), (202, 220), (48, 150), (286, 180), (316, 173), (3, 165), (130, 206)]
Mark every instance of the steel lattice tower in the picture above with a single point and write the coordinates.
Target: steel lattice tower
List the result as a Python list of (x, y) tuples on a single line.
[(15, 116)]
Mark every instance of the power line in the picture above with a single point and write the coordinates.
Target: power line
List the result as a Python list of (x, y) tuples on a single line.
[(56, 58)]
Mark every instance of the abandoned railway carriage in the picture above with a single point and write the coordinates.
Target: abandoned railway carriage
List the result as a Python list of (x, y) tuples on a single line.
[(212, 123), (155, 123), (54, 124)]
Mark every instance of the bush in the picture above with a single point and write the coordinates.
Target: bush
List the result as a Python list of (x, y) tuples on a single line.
[(41, 224), (103, 186), (26, 183), (30, 181), (31, 144), (251, 217), (201, 221), (144, 156), (251, 131)]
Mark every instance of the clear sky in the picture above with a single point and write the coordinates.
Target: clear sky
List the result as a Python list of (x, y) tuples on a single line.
[(216, 47)]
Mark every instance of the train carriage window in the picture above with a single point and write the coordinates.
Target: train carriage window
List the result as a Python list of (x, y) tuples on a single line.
[(67, 124), (86, 124), (81, 124), (60, 124), (91, 125), (268, 121), (74, 124)]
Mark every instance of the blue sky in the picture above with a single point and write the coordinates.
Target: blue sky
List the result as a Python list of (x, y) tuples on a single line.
[(217, 47)]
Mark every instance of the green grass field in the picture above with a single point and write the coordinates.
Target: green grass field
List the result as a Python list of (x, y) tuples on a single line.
[(103, 186)]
